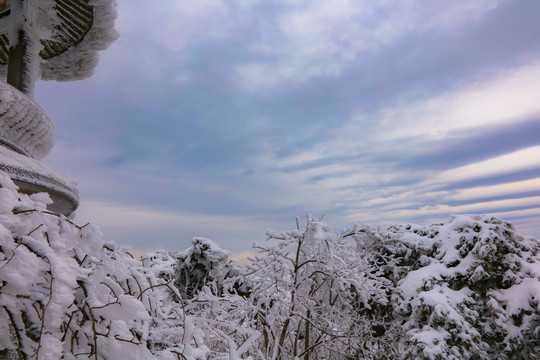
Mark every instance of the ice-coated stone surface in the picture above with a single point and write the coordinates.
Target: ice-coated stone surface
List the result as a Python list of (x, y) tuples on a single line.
[(24, 125), (67, 34), (53, 40), (79, 61), (32, 177)]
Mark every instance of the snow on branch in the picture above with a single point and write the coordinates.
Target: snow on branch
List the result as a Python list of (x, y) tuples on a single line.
[(66, 293), (465, 289)]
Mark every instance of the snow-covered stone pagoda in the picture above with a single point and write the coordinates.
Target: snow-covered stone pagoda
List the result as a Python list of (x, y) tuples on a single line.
[(52, 40)]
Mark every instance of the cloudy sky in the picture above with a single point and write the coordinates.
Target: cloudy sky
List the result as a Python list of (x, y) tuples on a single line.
[(225, 118)]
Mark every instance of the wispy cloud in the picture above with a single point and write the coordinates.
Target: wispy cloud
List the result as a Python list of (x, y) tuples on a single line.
[(241, 115), (320, 38), (358, 166), (508, 97), (509, 188), (525, 159)]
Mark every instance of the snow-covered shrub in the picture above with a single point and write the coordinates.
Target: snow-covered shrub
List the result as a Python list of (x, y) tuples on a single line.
[(468, 289), (203, 264), (65, 293), (309, 287), (205, 283), (373, 246)]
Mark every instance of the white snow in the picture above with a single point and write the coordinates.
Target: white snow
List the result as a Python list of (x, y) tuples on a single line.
[(31, 171), (80, 60), (24, 125), (469, 288), (465, 282)]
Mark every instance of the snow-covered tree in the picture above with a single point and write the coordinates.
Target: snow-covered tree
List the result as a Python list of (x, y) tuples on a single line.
[(206, 284), (203, 264), (65, 293), (309, 288), (467, 289)]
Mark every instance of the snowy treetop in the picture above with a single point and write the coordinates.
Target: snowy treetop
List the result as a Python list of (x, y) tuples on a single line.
[(468, 288)]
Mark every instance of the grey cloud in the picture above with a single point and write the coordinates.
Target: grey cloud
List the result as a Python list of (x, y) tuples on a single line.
[(462, 147), (175, 129)]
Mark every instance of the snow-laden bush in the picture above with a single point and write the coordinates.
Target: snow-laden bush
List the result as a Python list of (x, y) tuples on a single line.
[(203, 264), (468, 289), (309, 288), (206, 286), (65, 293)]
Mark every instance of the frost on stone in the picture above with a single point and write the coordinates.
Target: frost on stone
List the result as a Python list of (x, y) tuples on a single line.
[(24, 126), (79, 61), (30, 171), (44, 23)]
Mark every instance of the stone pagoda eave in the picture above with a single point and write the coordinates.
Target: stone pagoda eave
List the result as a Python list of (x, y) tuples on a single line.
[(51, 40), (68, 50)]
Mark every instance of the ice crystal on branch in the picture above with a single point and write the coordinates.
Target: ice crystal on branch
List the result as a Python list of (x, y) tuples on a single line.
[(309, 288), (465, 289), (66, 293)]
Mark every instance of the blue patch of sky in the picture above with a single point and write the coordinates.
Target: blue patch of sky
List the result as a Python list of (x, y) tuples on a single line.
[(517, 195), (430, 63), (471, 145), (194, 123), (493, 180)]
